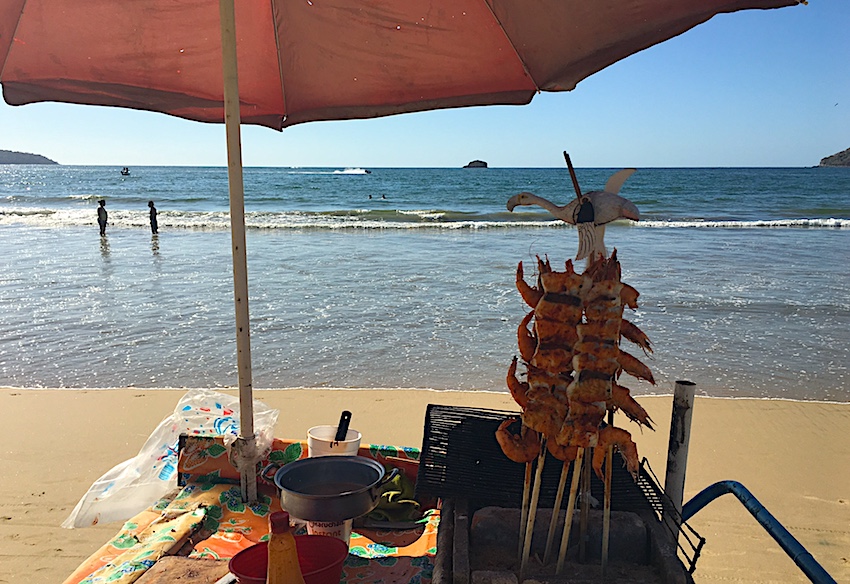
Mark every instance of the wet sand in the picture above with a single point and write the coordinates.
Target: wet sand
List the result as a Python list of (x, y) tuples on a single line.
[(793, 456)]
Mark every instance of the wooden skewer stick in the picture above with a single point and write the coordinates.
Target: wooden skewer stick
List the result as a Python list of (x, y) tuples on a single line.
[(532, 511), (584, 515), (556, 510), (571, 505), (606, 510), (526, 494), (572, 174)]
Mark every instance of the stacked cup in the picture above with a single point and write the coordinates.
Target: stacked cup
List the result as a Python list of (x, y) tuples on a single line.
[(322, 441)]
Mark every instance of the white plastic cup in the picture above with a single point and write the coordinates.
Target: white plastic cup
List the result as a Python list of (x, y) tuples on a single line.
[(338, 529), (320, 442)]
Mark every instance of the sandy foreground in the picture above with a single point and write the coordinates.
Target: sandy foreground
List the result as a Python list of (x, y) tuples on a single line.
[(793, 456)]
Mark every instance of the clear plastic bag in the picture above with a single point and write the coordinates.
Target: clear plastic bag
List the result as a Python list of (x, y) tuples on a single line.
[(136, 484)]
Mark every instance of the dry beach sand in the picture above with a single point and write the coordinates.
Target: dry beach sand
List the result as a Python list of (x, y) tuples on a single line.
[(793, 456)]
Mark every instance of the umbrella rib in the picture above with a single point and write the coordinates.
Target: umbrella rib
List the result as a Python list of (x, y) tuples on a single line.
[(279, 63), (513, 47), (11, 40)]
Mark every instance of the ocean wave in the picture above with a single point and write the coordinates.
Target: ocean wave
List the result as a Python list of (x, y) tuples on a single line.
[(830, 223), (447, 219)]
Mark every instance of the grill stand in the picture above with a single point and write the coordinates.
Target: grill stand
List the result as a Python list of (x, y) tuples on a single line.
[(469, 551), (462, 464)]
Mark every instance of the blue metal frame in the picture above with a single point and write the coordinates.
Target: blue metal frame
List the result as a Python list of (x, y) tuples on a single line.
[(795, 550)]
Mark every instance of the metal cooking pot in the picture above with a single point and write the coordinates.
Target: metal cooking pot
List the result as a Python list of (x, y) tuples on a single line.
[(329, 488)]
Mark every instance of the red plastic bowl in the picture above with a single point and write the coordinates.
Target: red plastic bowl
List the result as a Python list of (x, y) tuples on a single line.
[(319, 556)]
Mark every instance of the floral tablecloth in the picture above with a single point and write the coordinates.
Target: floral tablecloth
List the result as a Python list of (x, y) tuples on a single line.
[(207, 519)]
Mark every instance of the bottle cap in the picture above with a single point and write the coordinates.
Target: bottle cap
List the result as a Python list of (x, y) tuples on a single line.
[(279, 522)]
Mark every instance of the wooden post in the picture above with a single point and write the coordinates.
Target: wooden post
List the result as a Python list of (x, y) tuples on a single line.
[(677, 448)]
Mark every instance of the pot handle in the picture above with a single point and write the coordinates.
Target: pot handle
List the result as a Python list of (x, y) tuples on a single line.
[(271, 468), (394, 472)]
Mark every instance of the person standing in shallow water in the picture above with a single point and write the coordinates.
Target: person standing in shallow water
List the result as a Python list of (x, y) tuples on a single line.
[(102, 216), (154, 224)]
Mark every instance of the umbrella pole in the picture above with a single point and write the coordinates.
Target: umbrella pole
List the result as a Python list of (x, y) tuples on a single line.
[(247, 448)]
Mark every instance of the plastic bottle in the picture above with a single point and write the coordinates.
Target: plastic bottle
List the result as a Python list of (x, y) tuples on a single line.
[(283, 557)]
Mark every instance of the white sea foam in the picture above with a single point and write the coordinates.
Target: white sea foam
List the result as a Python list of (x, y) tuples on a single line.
[(831, 223), (402, 219)]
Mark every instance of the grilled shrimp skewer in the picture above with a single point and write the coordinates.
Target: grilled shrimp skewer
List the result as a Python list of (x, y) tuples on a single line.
[(570, 345), (522, 447)]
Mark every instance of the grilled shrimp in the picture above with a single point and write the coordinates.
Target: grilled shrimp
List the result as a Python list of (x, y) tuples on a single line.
[(523, 447), (622, 440)]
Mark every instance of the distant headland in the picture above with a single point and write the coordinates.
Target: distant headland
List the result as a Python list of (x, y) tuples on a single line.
[(12, 157), (476, 164), (840, 159)]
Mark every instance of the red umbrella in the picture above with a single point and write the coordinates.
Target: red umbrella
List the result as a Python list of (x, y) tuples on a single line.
[(306, 60)]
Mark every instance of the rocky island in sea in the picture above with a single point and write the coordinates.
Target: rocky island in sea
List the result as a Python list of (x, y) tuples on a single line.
[(12, 157), (476, 164), (840, 159)]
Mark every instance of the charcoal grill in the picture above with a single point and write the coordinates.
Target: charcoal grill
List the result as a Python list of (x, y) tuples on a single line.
[(462, 463)]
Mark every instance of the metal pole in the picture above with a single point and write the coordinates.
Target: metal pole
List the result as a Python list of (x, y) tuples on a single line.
[(795, 550), (232, 120), (677, 448)]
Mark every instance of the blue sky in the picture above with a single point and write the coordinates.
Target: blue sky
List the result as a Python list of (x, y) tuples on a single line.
[(752, 88)]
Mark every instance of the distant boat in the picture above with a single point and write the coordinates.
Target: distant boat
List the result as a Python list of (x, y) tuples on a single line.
[(353, 171), (125, 171)]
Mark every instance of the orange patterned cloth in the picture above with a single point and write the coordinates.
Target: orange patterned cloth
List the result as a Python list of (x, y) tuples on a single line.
[(220, 525), (205, 458), (125, 539), (391, 555)]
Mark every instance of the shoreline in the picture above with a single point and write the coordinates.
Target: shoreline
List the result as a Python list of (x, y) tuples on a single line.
[(493, 392), (792, 455)]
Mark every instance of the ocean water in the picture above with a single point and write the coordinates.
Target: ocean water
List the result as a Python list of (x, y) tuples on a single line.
[(405, 277)]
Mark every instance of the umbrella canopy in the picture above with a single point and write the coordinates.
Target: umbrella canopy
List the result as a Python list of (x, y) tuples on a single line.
[(304, 60), (307, 60)]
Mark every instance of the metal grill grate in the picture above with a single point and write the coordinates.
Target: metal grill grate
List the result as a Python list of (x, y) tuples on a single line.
[(461, 459)]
